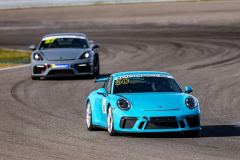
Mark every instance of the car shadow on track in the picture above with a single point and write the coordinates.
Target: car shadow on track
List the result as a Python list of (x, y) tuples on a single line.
[(155, 135), (220, 131), (76, 77), (207, 131)]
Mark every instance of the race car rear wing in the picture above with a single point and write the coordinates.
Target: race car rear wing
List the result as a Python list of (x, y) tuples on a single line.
[(100, 80)]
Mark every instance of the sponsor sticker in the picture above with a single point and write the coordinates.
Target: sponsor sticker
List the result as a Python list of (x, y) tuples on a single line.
[(60, 65), (104, 105)]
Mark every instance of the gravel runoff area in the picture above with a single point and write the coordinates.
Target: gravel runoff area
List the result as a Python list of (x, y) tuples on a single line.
[(198, 43)]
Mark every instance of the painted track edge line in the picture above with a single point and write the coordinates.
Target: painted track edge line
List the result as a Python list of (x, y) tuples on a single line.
[(25, 65)]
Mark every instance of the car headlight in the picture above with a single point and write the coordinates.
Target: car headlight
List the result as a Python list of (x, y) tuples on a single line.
[(123, 104), (191, 102), (37, 56), (85, 55)]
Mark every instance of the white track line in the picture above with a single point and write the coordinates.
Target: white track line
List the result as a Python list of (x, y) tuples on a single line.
[(15, 67)]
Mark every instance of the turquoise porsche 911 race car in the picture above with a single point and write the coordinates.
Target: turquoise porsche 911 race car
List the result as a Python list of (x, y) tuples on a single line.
[(142, 102)]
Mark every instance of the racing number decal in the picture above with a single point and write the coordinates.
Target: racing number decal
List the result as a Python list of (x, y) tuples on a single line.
[(50, 40), (104, 105), (121, 81)]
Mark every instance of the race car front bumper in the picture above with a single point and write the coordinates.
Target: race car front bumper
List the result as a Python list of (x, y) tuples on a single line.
[(157, 121), (61, 68)]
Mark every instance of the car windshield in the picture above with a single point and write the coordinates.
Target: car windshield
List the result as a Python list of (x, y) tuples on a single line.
[(63, 42), (145, 84)]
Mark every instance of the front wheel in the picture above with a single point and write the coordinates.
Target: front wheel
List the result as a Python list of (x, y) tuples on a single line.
[(191, 133), (97, 69), (110, 123), (89, 117)]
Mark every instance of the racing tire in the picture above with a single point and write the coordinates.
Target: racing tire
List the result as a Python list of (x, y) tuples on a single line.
[(110, 124), (98, 69), (89, 117), (96, 64), (191, 133), (35, 78)]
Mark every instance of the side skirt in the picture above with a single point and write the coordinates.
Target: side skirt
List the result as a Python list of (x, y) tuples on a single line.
[(97, 126)]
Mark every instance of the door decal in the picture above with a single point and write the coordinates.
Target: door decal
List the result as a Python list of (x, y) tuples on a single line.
[(104, 105)]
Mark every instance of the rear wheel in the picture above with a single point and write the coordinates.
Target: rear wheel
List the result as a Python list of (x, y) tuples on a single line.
[(110, 123), (89, 117), (191, 133)]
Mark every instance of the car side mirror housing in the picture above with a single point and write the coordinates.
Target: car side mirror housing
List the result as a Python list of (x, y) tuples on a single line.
[(188, 89), (32, 47), (101, 91), (95, 45)]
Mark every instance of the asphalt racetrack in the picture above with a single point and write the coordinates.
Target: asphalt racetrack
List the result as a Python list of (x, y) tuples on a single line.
[(198, 43)]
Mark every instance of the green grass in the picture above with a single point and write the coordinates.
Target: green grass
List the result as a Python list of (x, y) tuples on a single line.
[(13, 55), (5, 65), (9, 58)]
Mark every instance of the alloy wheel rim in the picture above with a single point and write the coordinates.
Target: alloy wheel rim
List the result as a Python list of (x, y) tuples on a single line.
[(88, 115), (110, 121)]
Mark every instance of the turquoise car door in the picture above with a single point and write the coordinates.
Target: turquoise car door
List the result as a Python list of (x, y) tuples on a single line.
[(103, 101), (99, 99)]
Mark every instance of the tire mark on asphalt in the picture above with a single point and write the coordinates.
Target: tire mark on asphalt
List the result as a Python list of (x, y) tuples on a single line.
[(14, 93), (229, 45), (10, 155), (214, 63), (112, 54), (139, 47), (21, 101)]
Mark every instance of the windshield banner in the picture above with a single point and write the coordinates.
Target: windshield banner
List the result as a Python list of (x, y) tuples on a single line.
[(144, 75), (55, 37)]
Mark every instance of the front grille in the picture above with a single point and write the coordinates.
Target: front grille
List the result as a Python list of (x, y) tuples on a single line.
[(162, 119), (127, 122), (61, 72), (164, 125), (141, 125), (81, 69), (39, 70), (193, 121), (182, 124)]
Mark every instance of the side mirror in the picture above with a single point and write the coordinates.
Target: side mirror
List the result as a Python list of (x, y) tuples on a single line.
[(94, 45), (188, 89), (101, 91), (32, 47)]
